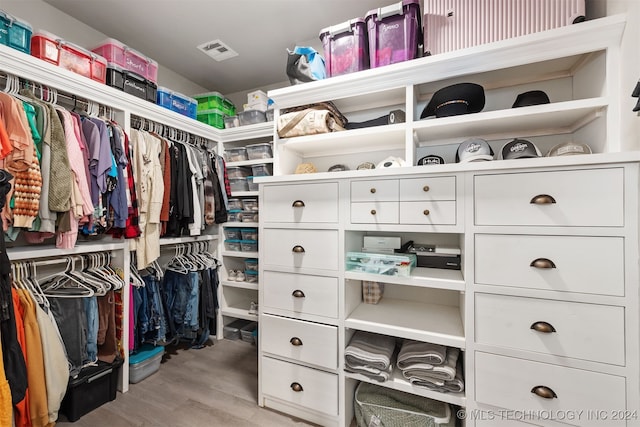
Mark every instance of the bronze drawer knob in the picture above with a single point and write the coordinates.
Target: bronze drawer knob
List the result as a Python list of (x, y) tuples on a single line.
[(544, 327), (298, 204), (425, 188), (373, 190), (298, 293), (542, 199), (297, 249), (296, 341), (426, 212), (373, 212), (296, 387), (542, 263), (544, 392)]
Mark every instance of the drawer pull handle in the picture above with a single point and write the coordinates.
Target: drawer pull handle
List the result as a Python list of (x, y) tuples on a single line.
[(296, 341), (373, 212), (425, 188), (542, 263), (296, 387), (298, 204), (298, 293), (544, 392), (426, 212), (373, 190), (297, 249), (542, 199), (543, 327)]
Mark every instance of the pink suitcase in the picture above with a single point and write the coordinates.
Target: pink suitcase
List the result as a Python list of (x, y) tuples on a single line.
[(455, 24)]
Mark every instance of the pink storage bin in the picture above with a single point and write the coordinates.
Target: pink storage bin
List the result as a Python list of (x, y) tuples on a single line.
[(129, 59), (346, 47)]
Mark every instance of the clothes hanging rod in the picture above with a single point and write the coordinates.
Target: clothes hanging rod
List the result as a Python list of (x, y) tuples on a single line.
[(54, 261)]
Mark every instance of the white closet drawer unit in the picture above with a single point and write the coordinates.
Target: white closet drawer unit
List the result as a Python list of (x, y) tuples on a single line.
[(299, 293), (593, 197), (314, 202), (300, 385), (438, 188), (301, 248), (375, 191), (436, 213), (374, 213), (577, 330), (524, 385), (306, 342), (584, 264)]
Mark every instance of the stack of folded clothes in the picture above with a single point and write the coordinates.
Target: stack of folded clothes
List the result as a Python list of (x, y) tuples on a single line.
[(431, 365), (370, 355)]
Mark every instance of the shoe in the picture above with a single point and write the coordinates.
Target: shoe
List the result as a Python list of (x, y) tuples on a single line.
[(232, 275), (254, 308), (240, 276)]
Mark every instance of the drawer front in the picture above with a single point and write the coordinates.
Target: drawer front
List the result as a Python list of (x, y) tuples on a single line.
[(317, 390), (508, 383), (436, 213), (301, 248), (374, 191), (426, 189), (316, 202), (593, 265), (568, 329), (582, 198), (320, 293), (374, 213), (306, 342)]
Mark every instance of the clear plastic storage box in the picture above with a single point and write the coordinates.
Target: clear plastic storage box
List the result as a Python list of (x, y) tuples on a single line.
[(232, 245), (239, 184), (238, 172), (232, 233), (15, 32), (252, 186), (386, 264), (249, 233), (145, 362), (232, 330), (231, 122), (394, 33), (250, 264), (259, 151), (250, 205), (248, 246), (262, 169), (346, 47), (129, 59), (238, 154), (247, 332), (250, 117), (235, 204)]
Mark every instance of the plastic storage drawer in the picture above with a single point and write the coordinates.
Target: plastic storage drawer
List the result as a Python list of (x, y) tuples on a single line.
[(145, 362), (238, 184), (238, 172), (262, 169), (213, 118), (215, 101), (53, 49), (248, 246), (247, 331), (232, 233), (394, 33), (94, 386), (249, 233), (129, 59), (232, 330), (346, 47), (238, 154), (259, 151), (232, 245), (15, 32)]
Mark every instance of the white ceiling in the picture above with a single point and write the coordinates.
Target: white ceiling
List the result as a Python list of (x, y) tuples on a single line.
[(168, 31)]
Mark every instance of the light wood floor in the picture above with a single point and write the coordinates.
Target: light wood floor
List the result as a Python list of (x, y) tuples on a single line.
[(213, 386)]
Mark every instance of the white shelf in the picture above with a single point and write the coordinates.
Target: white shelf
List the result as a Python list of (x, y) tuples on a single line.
[(238, 313), (50, 251), (240, 224), (187, 239), (244, 193), (243, 133), (377, 138), (250, 162), (398, 382), (241, 285), (422, 277), (240, 254), (435, 323)]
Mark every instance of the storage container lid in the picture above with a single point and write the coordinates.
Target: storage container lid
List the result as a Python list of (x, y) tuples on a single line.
[(251, 272), (14, 20), (251, 261), (108, 42), (208, 94), (212, 111), (393, 9), (262, 144), (164, 89), (46, 34), (248, 230), (146, 351), (236, 149), (343, 27)]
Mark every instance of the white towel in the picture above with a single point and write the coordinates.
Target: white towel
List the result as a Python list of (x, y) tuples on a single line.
[(444, 372), (421, 352)]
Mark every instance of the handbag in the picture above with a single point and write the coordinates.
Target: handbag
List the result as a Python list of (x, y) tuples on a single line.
[(311, 119), (305, 64)]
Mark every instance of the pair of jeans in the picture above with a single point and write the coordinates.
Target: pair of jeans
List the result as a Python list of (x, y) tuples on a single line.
[(72, 323), (91, 311), (157, 322), (181, 293)]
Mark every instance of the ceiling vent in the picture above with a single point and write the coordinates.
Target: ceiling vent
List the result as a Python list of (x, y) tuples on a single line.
[(217, 50)]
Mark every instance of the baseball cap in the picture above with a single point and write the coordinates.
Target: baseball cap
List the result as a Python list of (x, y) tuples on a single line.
[(431, 159), (569, 149), (519, 149), (365, 165), (390, 162), (473, 149)]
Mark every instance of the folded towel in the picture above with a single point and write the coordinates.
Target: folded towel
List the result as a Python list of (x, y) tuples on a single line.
[(445, 372), (368, 349), (454, 386), (421, 352), (375, 374)]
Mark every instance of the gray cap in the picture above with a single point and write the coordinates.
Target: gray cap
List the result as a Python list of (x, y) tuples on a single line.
[(473, 149), (569, 149)]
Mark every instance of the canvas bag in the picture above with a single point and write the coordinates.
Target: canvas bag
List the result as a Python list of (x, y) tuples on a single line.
[(311, 119), (305, 64)]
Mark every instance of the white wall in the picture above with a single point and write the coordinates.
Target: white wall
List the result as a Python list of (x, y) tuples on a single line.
[(43, 16)]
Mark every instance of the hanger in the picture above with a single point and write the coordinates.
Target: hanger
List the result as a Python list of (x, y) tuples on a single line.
[(65, 285)]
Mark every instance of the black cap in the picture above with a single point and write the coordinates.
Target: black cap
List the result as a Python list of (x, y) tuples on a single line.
[(461, 98), (520, 149), (474, 149), (431, 159), (533, 97)]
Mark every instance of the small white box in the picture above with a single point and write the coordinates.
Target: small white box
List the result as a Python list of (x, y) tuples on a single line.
[(381, 244), (257, 96), (256, 105)]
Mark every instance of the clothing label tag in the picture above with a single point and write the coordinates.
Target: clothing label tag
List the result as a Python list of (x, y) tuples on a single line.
[(374, 421)]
